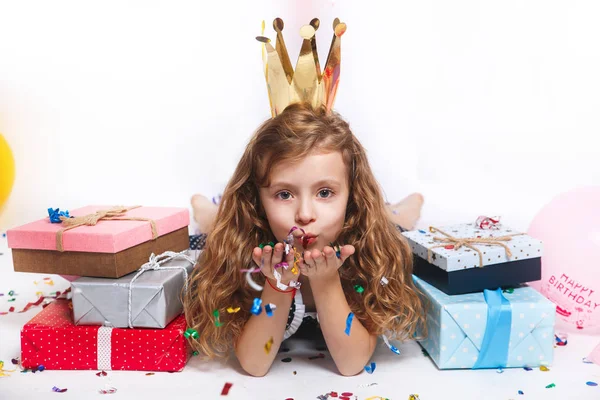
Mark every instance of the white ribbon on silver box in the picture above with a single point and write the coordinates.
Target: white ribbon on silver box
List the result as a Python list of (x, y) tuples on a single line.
[(104, 349)]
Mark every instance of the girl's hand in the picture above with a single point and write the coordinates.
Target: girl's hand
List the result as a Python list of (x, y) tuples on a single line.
[(267, 257), (324, 265)]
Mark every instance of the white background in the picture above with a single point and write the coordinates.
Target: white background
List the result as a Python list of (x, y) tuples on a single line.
[(484, 107)]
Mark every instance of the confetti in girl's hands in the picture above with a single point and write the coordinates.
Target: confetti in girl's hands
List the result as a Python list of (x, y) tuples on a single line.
[(268, 257)]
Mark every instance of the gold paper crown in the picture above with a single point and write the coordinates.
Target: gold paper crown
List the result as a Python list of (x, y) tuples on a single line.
[(306, 84)]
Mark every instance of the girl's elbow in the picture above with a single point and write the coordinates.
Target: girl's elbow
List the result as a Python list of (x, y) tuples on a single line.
[(253, 368), (349, 371)]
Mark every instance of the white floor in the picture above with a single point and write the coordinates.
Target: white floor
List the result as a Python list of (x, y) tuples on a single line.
[(395, 377)]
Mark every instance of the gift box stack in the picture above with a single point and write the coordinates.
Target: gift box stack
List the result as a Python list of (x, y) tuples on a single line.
[(480, 312), (126, 309)]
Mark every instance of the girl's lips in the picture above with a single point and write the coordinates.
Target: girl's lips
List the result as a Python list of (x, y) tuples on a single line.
[(308, 239)]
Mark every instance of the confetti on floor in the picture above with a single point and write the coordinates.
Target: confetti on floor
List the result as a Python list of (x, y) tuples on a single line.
[(108, 390), (528, 369), (286, 360), (226, 388), (590, 383), (544, 368), (101, 373), (370, 368), (550, 386), (57, 390), (520, 392), (149, 373)]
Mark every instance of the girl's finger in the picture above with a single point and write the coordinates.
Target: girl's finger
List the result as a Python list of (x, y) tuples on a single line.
[(329, 255), (319, 259), (256, 256), (346, 252), (278, 253), (267, 255)]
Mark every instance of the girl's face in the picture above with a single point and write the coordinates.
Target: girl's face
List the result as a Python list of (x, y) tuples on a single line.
[(311, 194)]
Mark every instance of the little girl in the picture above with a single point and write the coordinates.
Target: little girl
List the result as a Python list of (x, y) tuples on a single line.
[(304, 209)]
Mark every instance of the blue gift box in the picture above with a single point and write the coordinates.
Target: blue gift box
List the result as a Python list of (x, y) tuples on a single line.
[(489, 329)]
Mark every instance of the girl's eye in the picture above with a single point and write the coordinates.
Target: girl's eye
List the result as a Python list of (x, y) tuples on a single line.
[(325, 193), (284, 195)]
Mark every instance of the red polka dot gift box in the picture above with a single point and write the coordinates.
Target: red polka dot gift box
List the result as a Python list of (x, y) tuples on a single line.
[(52, 340)]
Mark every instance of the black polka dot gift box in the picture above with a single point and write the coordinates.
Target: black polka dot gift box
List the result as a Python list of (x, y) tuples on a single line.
[(53, 341), (466, 258)]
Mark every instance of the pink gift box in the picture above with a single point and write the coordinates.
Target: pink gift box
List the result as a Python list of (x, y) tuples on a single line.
[(105, 237)]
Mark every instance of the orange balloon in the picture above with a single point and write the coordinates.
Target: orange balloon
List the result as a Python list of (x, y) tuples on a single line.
[(7, 170)]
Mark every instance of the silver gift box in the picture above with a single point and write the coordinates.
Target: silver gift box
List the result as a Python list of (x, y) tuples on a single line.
[(155, 297)]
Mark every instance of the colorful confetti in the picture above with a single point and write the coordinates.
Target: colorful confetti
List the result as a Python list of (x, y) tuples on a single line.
[(349, 323), (320, 355), (370, 368), (57, 390), (286, 360), (216, 316), (389, 345), (256, 308), (55, 214), (520, 392), (107, 390), (268, 345), (590, 383), (561, 339), (544, 368), (550, 386), (232, 310), (413, 397), (101, 373), (11, 293), (5, 372), (359, 289), (269, 308), (528, 369), (384, 281), (226, 388), (499, 371), (149, 373), (189, 332)]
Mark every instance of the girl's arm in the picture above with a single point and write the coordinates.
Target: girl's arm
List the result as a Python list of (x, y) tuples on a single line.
[(350, 352), (250, 348), (255, 358)]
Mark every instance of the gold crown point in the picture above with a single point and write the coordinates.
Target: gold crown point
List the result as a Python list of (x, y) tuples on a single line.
[(340, 29), (307, 32), (315, 23)]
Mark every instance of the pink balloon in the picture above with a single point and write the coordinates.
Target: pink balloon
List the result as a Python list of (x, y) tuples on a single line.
[(569, 227)]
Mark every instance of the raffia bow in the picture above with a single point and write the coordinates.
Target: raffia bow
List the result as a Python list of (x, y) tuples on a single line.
[(468, 242), (156, 262), (116, 213)]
